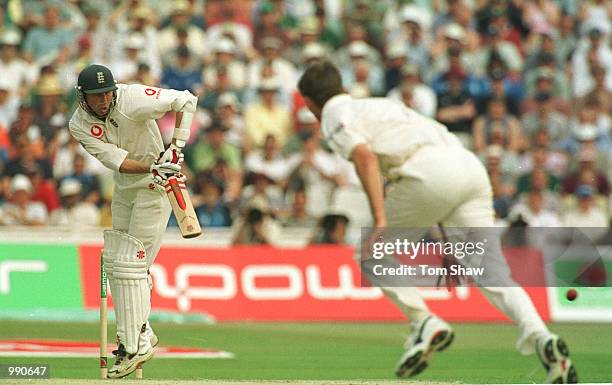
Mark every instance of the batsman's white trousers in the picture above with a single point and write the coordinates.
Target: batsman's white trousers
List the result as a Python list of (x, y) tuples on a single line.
[(449, 185), (142, 210)]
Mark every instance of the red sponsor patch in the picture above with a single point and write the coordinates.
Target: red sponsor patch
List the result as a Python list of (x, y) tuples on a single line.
[(150, 91), (140, 254), (96, 131)]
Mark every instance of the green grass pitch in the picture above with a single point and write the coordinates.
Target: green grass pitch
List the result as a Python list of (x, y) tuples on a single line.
[(481, 353)]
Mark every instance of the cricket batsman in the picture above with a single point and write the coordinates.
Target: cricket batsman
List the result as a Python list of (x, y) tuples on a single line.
[(116, 124), (432, 179)]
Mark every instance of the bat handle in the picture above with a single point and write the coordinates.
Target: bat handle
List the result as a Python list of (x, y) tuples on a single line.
[(176, 190)]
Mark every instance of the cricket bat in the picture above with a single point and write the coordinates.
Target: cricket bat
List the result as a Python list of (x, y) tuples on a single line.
[(183, 208)]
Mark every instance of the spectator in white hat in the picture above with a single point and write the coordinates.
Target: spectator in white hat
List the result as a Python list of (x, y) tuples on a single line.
[(74, 211), (180, 19), (142, 21), (395, 58), (424, 99), (354, 33), (124, 67), (20, 209), (413, 35), (224, 55), (229, 114), (360, 72), (451, 42), (282, 69), (313, 51), (9, 104), (308, 31), (16, 72), (585, 131)]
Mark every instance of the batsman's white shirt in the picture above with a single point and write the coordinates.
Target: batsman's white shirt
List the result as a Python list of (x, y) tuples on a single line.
[(434, 180), (139, 207), (129, 130)]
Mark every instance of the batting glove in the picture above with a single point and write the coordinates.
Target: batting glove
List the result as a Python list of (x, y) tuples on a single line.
[(161, 172), (173, 155)]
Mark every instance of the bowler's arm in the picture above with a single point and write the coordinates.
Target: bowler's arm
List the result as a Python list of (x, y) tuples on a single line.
[(368, 171)]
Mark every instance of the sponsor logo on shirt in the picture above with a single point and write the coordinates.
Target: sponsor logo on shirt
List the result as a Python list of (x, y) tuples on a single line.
[(96, 131), (153, 92)]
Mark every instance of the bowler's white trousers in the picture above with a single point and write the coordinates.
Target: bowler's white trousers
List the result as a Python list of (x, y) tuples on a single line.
[(449, 185)]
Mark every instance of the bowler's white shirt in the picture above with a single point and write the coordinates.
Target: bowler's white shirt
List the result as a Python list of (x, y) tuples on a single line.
[(392, 131)]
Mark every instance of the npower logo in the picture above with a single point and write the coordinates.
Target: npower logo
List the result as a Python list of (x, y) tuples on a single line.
[(298, 283)]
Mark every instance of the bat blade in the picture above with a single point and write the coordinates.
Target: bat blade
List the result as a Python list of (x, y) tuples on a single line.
[(183, 208)]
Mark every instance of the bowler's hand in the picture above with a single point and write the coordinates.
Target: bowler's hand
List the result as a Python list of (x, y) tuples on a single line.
[(376, 234)]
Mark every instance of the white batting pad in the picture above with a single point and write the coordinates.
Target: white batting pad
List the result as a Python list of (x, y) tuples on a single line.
[(129, 285), (111, 246)]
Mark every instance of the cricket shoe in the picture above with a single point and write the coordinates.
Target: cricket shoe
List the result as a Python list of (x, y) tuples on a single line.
[(554, 355), (127, 363), (428, 336)]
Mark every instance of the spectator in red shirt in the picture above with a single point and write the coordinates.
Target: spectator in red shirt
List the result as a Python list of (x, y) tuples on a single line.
[(587, 173), (43, 190)]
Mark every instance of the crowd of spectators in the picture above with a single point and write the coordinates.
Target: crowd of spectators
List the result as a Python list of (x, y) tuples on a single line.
[(525, 84)]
